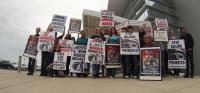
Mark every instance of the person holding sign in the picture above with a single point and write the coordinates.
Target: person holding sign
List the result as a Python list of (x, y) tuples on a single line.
[(113, 39), (130, 61), (48, 54), (68, 37), (189, 45), (31, 63), (96, 64), (83, 40)]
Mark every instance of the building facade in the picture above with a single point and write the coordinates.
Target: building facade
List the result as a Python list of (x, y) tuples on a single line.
[(177, 12)]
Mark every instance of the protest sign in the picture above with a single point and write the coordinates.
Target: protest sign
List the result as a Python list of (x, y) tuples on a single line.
[(66, 46), (95, 52), (58, 23), (60, 59), (46, 41), (176, 54), (78, 58), (130, 44), (106, 19), (160, 35), (161, 23), (75, 25), (150, 63), (112, 55), (31, 47), (145, 25)]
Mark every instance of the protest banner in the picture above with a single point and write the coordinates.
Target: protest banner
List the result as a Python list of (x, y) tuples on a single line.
[(60, 59), (95, 52), (113, 56), (58, 23), (66, 46), (31, 47), (46, 41), (145, 25), (160, 36), (130, 43), (150, 63), (161, 24), (119, 27), (78, 58), (106, 19), (176, 54), (75, 25)]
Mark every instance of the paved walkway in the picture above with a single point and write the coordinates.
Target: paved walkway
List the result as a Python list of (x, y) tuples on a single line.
[(13, 82)]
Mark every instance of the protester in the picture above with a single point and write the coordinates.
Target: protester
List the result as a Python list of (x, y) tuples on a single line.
[(127, 60), (189, 45), (141, 35), (83, 40), (135, 58), (32, 61), (68, 37), (96, 64), (51, 71), (148, 41), (113, 39), (47, 56)]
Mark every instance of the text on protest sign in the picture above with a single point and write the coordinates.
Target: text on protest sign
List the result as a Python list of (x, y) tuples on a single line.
[(95, 52), (77, 59), (150, 63), (31, 47), (46, 41), (58, 23), (160, 35), (130, 43), (176, 54), (66, 46), (60, 61), (106, 18)]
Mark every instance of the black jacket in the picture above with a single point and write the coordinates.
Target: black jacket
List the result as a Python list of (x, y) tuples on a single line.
[(189, 42)]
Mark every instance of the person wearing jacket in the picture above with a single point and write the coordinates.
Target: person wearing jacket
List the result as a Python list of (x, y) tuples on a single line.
[(96, 64), (83, 40), (32, 61), (189, 45)]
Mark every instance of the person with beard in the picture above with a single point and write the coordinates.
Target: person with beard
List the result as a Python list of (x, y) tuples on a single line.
[(189, 45), (32, 61)]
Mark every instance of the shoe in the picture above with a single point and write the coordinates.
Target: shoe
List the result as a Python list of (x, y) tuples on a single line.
[(126, 77), (191, 76), (135, 77), (111, 77)]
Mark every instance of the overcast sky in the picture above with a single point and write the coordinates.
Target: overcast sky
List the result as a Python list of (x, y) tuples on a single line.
[(19, 18)]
